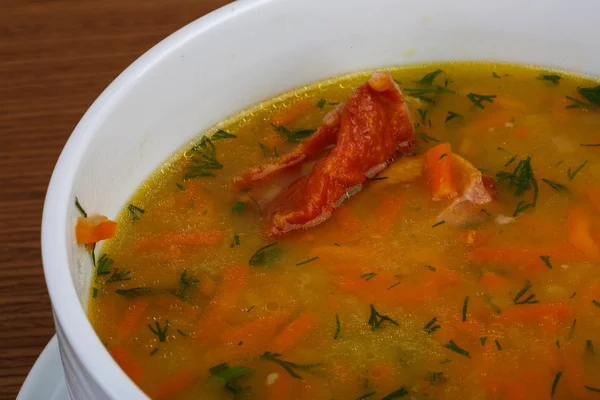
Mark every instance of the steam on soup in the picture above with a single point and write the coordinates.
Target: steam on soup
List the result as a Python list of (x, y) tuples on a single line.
[(427, 232)]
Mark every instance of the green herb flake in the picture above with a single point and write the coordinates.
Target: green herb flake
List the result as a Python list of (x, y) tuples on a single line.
[(529, 299), (591, 94), (368, 276), (555, 383), (293, 136), (578, 104), (268, 153), (235, 241), (572, 330), (595, 302), (592, 389), (321, 103), (442, 222), (495, 75), (423, 114), (482, 340), (222, 135), (104, 265), (181, 332), (379, 178), (554, 79), (451, 115), (337, 245), (513, 158), (432, 326), (426, 138), (366, 396), (376, 319), (442, 156), (424, 94), (486, 212), (138, 292), (490, 301), (307, 261), (589, 347), (153, 352), (250, 309), (337, 327), (571, 175), (186, 282), (94, 292), (562, 189), (455, 348), (396, 394), (428, 79), (238, 207), (546, 260), (118, 276), (180, 186), (557, 344), (589, 144), (290, 367), (81, 210), (435, 377), (256, 204), (498, 345), (431, 268), (263, 255), (478, 99), (464, 308), (394, 285), (521, 179), (161, 333), (204, 157)]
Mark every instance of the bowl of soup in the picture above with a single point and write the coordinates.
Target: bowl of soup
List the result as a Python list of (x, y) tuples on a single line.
[(313, 200)]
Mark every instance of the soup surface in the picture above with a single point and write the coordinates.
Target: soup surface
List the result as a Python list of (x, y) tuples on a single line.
[(469, 267)]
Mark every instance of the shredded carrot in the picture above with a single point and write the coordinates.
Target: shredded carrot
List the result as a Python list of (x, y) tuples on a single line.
[(292, 334), (126, 361), (94, 229), (192, 238), (291, 113), (386, 214), (175, 384), (493, 282), (133, 317), (491, 121), (579, 233), (208, 287), (256, 335), (347, 220), (438, 167)]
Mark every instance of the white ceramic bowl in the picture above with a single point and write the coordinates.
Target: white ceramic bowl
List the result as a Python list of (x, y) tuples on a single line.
[(234, 57)]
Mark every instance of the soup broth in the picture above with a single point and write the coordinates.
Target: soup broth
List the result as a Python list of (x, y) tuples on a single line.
[(407, 289)]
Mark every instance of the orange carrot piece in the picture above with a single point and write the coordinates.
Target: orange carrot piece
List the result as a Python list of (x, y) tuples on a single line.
[(493, 282), (175, 384), (523, 132), (193, 238), (438, 167), (579, 233), (258, 332), (94, 229), (132, 319), (593, 194), (474, 238), (283, 387), (491, 121), (536, 313), (386, 214), (292, 334), (127, 363), (291, 113), (347, 220)]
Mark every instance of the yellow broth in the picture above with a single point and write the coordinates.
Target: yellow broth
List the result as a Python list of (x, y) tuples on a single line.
[(500, 308)]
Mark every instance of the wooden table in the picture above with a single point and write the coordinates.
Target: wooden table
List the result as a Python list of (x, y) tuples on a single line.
[(56, 56)]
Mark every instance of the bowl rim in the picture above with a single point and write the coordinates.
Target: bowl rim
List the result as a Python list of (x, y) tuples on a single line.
[(68, 312)]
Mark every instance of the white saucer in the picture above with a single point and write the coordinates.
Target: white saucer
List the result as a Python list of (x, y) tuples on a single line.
[(46, 380)]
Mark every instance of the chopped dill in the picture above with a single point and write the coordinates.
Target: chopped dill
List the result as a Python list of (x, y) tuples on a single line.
[(589, 347), (512, 159), (442, 156), (492, 303), (81, 210), (337, 327), (482, 340), (486, 212), (154, 351), (290, 367), (396, 394), (455, 348), (321, 103), (256, 204), (432, 326), (592, 389), (307, 261), (557, 344), (478, 99), (589, 144), (573, 326), (366, 396), (268, 153), (376, 319), (464, 308), (180, 186), (94, 292), (379, 178), (250, 309), (423, 114), (529, 299), (442, 222), (498, 345), (435, 377), (394, 285), (562, 189), (262, 255), (204, 157), (571, 175), (594, 302), (424, 94), (426, 138), (431, 268), (578, 103), (293, 136), (546, 260), (428, 79), (555, 382), (185, 284), (238, 207), (368, 276), (337, 245), (222, 135), (181, 332), (104, 265), (161, 333), (554, 79), (235, 241), (592, 94), (495, 75), (451, 115), (137, 292), (118, 276), (521, 179)]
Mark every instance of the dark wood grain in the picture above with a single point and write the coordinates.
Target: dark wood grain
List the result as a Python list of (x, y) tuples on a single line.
[(56, 56)]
